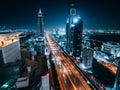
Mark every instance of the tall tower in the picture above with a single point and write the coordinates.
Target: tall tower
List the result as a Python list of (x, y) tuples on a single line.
[(41, 32), (72, 13), (77, 37), (40, 23), (74, 28), (67, 34)]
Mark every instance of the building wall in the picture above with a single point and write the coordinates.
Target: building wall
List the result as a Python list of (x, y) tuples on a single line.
[(40, 23), (87, 57), (77, 39), (109, 48), (11, 52)]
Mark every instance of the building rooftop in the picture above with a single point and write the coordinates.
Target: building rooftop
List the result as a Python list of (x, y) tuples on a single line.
[(112, 44), (8, 38)]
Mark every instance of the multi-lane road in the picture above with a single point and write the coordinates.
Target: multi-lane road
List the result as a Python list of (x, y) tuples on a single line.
[(68, 75)]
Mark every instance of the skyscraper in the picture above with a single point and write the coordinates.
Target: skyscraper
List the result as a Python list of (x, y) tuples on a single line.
[(87, 57), (72, 14), (74, 28), (9, 48), (77, 38), (41, 32), (67, 34), (40, 23)]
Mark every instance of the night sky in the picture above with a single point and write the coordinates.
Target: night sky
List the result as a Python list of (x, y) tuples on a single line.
[(96, 14)]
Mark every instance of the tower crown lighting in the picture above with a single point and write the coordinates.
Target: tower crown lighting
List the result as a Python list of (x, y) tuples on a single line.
[(40, 13), (76, 19)]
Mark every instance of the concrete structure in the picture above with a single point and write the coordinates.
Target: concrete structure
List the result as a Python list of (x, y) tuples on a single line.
[(111, 48), (77, 38), (74, 28), (9, 48), (45, 82), (101, 55), (22, 82), (69, 31), (40, 23), (41, 32), (87, 57), (40, 45), (67, 34)]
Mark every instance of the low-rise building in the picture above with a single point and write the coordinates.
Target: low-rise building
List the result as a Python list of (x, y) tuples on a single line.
[(111, 48)]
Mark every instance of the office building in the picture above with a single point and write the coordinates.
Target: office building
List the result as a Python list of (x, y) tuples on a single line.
[(40, 23), (67, 34), (77, 38), (9, 48), (111, 48), (8, 76), (41, 32), (87, 57), (74, 28), (72, 14)]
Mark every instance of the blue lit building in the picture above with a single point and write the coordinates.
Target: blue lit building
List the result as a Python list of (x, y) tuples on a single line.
[(40, 23), (77, 38), (41, 32), (74, 28), (87, 57)]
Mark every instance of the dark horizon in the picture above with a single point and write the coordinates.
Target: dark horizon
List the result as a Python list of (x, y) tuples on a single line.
[(95, 14)]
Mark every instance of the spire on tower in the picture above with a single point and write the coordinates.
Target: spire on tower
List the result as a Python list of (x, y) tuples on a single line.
[(72, 5), (72, 9), (40, 12)]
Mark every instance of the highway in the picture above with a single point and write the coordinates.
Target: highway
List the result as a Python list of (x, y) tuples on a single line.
[(68, 76), (110, 66)]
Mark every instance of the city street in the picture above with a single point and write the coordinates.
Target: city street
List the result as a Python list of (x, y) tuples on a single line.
[(68, 76)]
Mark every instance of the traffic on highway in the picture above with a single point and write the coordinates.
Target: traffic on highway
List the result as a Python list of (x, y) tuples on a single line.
[(68, 76)]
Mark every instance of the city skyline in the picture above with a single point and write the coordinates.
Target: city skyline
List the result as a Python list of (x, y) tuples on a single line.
[(59, 45), (95, 14)]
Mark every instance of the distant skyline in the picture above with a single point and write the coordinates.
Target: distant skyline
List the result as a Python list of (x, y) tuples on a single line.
[(96, 14)]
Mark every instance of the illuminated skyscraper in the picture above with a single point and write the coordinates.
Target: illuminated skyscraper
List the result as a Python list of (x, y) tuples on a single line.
[(74, 28), (40, 23), (41, 32), (77, 38), (67, 34), (72, 14), (87, 57)]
